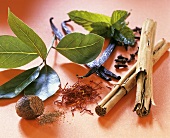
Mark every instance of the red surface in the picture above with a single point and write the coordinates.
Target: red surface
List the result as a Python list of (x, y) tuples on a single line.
[(120, 121)]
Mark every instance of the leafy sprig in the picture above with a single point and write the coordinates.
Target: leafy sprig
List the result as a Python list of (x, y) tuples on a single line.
[(41, 80), (109, 27), (86, 19)]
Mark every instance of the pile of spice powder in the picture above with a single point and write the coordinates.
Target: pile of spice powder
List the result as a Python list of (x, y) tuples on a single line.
[(50, 117), (79, 95)]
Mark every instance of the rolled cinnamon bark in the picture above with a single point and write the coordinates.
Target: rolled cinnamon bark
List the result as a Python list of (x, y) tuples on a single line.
[(144, 68)]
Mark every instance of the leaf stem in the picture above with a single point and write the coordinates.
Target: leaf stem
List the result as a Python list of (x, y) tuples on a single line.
[(48, 51), (52, 43)]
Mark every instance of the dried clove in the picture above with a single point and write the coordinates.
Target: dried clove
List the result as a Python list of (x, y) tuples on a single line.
[(123, 61), (137, 29), (132, 57), (136, 53), (121, 57), (118, 66), (137, 37)]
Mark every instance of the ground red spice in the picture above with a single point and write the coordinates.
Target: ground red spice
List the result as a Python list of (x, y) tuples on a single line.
[(79, 96)]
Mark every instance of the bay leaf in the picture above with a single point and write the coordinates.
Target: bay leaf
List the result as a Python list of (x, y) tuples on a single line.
[(81, 48), (45, 85), (14, 53), (27, 35), (17, 84), (85, 18)]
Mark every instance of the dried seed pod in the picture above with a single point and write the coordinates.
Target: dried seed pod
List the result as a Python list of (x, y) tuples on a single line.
[(29, 107)]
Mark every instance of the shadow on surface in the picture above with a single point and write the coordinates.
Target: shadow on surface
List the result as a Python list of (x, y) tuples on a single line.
[(5, 76)]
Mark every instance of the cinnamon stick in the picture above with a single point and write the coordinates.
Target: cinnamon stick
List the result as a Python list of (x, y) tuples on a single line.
[(144, 68), (129, 82)]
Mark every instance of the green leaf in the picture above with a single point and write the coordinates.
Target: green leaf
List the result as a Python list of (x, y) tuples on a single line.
[(16, 85), (118, 19), (125, 35), (80, 48), (45, 85), (102, 29), (27, 35), (85, 18), (14, 53)]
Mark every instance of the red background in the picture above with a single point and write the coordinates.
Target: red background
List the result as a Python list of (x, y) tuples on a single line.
[(120, 121)]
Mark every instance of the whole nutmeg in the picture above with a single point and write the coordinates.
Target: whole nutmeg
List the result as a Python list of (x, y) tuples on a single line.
[(29, 107)]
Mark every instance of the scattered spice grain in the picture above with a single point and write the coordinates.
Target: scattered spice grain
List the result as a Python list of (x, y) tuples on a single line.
[(50, 117)]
